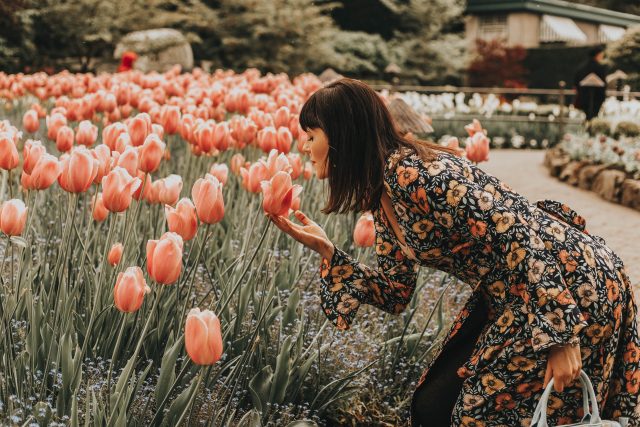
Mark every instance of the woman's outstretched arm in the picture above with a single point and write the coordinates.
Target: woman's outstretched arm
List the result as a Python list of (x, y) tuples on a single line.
[(347, 283)]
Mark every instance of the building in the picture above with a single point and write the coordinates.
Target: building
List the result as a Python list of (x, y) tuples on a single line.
[(539, 23)]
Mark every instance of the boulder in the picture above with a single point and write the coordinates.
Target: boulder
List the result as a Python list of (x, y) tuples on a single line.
[(555, 160), (588, 174), (631, 193), (608, 184), (571, 170), (158, 49)]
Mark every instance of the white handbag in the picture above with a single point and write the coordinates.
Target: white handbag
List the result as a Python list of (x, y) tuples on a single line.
[(590, 404)]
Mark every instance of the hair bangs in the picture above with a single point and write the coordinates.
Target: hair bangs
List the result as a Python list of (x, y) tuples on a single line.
[(310, 113)]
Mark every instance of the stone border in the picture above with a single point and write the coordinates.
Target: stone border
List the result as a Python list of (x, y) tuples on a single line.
[(607, 181)]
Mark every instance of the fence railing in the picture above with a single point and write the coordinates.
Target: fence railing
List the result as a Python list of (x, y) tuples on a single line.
[(561, 93)]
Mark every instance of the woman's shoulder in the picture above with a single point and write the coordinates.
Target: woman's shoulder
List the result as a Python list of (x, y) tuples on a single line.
[(406, 161)]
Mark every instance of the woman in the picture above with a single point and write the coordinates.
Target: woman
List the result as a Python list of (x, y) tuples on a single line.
[(548, 298)]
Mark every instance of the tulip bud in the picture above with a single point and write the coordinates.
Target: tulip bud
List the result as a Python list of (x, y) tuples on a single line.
[(182, 219), (203, 337), (207, 196), (13, 217), (278, 194), (164, 258), (115, 254), (364, 234), (128, 294)]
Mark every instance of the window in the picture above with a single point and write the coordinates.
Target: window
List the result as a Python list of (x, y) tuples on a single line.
[(493, 27)]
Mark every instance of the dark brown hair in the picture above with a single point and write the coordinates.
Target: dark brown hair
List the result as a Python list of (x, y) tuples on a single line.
[(362, 135)]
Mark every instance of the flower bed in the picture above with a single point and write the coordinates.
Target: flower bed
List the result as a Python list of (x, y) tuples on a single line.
[(607, 166), (116, 233)]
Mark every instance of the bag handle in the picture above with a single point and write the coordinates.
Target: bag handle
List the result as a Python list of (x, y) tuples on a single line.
[(588, 396)]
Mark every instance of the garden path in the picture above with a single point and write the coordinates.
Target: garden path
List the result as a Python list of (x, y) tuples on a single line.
[(523, 170)]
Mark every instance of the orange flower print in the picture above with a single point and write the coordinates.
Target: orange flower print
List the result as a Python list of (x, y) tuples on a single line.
[(633, 381), (342, 271), (536, 242), (497, 289), (503, 221), (336, 287), (384, 248), (632, 354), (597, 332), (477, 228), (527, 389), (471, 422), (587, 294), (557, 231), (536, 270), (491, 383), (347, 304), (445, 219), (419, 197), (613, 290), (456, 192), (431, 254), (505, 321), (554, 404), (504, 401), (588, 254), (435, 168), (470, 401), (515, 256), (406, 175), (485, 199), (570, 264), (422, 228), (556, 319), (520, 363)]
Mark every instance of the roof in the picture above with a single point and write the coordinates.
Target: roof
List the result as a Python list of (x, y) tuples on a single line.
[(554, 7)]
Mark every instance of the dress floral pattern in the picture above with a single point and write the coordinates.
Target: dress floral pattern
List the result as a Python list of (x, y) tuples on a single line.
[(543, 277)]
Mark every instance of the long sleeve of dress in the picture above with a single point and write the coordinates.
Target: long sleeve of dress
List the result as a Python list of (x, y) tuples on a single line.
[(347, 283), (449, 196)]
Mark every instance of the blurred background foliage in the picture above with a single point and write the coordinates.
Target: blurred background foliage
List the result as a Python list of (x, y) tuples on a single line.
[(353, 37)]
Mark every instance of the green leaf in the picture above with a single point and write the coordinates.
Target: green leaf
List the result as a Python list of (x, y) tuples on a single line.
[(167, 368), (259, 387)]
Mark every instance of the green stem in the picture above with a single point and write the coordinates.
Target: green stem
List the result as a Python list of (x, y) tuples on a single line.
[(128, 372), (193, 270), (115, 350), (193, 397)]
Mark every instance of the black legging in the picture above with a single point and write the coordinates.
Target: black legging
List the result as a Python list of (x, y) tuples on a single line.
[(434, 401)]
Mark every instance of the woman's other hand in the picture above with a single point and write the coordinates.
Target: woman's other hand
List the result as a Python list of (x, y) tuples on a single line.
[(563, 365), (309, 233)]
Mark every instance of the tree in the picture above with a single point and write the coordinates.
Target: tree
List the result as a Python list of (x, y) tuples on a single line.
[(495, 64), (624, 54)]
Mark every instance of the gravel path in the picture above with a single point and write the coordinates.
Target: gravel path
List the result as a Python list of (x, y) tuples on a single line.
[(618, 225)]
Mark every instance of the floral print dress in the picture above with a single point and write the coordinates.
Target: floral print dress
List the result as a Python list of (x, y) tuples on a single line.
[(543, 278)]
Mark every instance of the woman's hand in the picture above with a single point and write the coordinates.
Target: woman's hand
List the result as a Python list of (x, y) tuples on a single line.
[(563, 365), (309, 233)]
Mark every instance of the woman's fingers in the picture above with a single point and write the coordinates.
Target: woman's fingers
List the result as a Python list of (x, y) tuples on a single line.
[(303, 218)]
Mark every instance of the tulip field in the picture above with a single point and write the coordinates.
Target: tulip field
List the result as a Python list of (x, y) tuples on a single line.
[(143, 284)]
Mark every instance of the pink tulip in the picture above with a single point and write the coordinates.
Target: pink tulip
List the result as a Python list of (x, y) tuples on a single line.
[(31, 152), (87, 133), (128, 294), (164, 258), (221, 136), (157, 130), (278, 194), (13, 217), (182, 219), (364, 234), (284, 139), (474, 127), (220, 171), (296, 165), (100, 212), (237, 162), (203, 337), (455, 144), (54, 122), (169, 189), (282, 117), (128, 160), (64, 139), (277, 162), (207, 196), (151, 153), (25, 181), (8, 152), (139, 128), (478, 148), (252, 177), (102, 154), (170, 118), (111, 133), (115, 254), (268, 139), (117, 188), (145, 189), (308, 171), (79, 170), (30, 121), (45, 172)]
